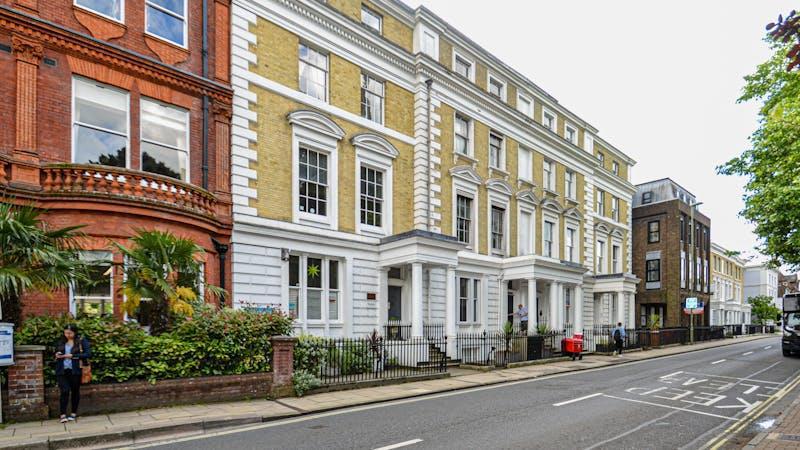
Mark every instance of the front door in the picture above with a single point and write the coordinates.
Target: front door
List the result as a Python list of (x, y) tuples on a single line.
[(395, 303), (510, 307)]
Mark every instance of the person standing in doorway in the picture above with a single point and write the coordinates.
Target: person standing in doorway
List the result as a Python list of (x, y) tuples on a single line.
[(72, 352), (522, 313), (619, 337)]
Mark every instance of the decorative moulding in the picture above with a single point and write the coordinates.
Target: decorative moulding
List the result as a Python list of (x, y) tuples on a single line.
[(100, 27), (168, 53)]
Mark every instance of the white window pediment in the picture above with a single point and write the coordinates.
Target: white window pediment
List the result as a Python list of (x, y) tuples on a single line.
[(375, 143), (617, 233), (528, 196), (466, 173), (317, 122), (552, 205), (499, 185), (602, 228), (573, 213)]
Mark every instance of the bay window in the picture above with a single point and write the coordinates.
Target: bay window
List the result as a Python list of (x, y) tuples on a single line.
[(166, 19), (100, 130), (165, 139), (469, 300), (313, 283)]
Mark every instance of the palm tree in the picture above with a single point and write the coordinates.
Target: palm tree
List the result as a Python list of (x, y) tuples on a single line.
[(165, 270), (34, 257)]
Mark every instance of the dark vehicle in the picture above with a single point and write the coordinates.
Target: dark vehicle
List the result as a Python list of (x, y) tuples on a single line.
[(790, 343)]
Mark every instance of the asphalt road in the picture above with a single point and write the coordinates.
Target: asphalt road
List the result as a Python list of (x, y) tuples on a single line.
[(666, 403)]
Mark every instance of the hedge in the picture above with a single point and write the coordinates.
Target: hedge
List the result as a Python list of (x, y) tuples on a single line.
[(213, 342)]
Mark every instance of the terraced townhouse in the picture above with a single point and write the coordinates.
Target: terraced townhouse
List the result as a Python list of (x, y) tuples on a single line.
[(388, 168), (728, 306)]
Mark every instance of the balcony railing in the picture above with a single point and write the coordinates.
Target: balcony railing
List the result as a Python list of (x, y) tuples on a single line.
[(120, 183)]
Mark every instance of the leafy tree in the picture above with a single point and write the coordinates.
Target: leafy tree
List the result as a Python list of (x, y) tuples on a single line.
[(772, 164), (166, 271), (34, 257), (763, 309)]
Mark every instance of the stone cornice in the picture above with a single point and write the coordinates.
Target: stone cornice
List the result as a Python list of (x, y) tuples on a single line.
[(25, 26)]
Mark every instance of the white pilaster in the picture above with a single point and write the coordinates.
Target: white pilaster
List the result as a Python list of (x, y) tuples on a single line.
[(578, 300), (621, 303), (416, 299), (533, 307), (553, 313), (383, 302), (450, 304), (631, 309)]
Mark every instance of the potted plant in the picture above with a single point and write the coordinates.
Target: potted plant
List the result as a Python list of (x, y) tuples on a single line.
[(653, 325)]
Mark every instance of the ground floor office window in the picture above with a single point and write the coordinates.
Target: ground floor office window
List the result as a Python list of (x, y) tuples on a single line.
[(648, 311), (97, 297), (314, 288), (468, 300)]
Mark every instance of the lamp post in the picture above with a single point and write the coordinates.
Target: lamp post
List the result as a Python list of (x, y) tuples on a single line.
[(692, 207)]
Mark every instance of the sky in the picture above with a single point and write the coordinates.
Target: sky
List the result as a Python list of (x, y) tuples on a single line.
[(659, 80)]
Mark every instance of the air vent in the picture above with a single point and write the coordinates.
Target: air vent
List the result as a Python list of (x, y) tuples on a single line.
[(50, 62), (5, 48)]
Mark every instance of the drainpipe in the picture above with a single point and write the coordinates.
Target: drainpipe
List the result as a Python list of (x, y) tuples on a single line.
[(222, 251), (429, 84), (204, 53)]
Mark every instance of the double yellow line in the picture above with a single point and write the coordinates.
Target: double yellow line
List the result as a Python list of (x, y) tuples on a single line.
[(718, 441)]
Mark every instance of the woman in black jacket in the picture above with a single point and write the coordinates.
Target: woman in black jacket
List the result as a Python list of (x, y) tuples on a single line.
[(72, 352)]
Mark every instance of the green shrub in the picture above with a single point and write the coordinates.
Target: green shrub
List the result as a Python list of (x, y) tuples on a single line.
[(303, 381), (352, 358), (212, 342), (310, 353)]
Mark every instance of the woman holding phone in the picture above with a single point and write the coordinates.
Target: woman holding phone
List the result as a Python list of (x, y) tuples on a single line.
[(72, 352)]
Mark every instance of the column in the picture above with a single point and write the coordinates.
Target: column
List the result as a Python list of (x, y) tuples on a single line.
[(533, 306), (416, 299), (578, 301), (28, 53), (631, 309), (383, 297), (450, 309), (553, 313), (620, 307), (502, 316)]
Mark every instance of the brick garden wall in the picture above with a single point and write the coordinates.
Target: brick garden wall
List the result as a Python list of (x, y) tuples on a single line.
[(130, 396)]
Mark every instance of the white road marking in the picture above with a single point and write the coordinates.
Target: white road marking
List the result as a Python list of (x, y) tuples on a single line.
[(672, 374), (767, 347), (717, 362), (747, 353), (400, 444), (671, 407), (755, 380), (742, 404), (577, 399)]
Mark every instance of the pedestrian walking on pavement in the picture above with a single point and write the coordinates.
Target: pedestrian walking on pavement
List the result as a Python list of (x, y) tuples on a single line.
[(522, 313), (72, 356), (619, 337)]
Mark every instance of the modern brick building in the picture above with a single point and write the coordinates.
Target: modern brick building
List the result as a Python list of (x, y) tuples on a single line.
[(117, 116), (386, 167), (662, 252)]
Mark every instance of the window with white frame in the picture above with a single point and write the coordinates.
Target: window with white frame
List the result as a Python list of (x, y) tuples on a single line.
[(430, 44), (371, 19), (498, 228), (601, 256), (548, 236), (615, 208), (464, 219), (525, 105), (569, 246), (601, 204), (549, 175), (549, 120), (615, 262), (615, 167), (570, 184), (571, 134), (601, 157), (461, 135), (525, 232), (372, 93), (313, 182), (588, 142), (469, 300), (165, 139), (113, 9), (497, 88), (497, 157), (167, 20), (462, 66), (100, 130), (313, 72), (314, 282), (371, 196), (95, 298), (525, 163)]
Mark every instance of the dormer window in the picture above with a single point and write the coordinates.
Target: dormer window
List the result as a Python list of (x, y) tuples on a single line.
[(647, 197)]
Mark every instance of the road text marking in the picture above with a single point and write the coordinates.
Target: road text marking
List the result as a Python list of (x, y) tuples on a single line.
[(577, 399), (400, 444), (717, 362), (671, 407)]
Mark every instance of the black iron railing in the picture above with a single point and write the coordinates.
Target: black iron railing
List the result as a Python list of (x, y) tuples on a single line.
[(433, 330), (500, 349), (353, 360), (395, 330)]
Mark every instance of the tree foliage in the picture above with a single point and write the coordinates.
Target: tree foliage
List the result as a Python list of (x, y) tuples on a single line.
[(772, 165), (763, 309), (35, 257), (166, 270)]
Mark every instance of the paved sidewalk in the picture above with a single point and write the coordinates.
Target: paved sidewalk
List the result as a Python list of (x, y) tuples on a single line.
[(152, 424), (785, 435)]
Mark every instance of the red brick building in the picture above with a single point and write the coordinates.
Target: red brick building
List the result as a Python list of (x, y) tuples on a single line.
[(662, 253), (117, 116)]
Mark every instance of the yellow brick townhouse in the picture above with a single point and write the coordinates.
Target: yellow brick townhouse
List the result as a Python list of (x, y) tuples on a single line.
[(728, 306), (387, 169)]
